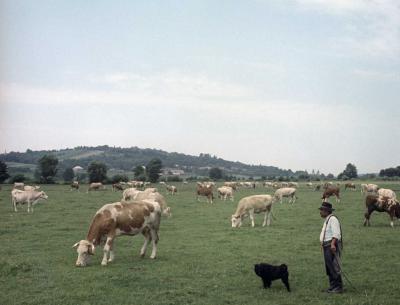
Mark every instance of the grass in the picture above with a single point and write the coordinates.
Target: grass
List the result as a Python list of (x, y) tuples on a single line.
[(201, 259)]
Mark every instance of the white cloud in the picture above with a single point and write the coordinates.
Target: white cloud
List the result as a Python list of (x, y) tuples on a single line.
[(373, 27)]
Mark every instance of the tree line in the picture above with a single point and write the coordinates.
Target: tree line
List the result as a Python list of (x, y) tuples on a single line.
[(48, 166)]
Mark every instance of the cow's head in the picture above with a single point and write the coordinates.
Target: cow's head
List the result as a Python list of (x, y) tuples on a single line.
[(43, 195), (84, 249), (236, 221)]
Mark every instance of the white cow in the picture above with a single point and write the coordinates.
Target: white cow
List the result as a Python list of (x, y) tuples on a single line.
[(224, 192), (250, 205), (286, 192), (29, 197)]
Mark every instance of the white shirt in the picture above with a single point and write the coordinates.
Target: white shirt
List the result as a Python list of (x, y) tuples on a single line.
[(331, 223)]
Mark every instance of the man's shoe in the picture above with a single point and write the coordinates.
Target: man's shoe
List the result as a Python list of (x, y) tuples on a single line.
[(335, 290), (327, 290)]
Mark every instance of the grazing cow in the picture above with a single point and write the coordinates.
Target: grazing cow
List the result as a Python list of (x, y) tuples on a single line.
[(224, 192), (231, 184), (317, 187), (31, 188), (372, 188), (284, 184), (267, 184), (363, 187), (350, 185), (293, 184), (205, 191), (74, 185), (250, 205), (117, 187), (171, 189), (19, 185), (29, 197), (95, 186), (120, 218), (286, 192), (387, 193), (331, 190), (129, 193), (154, 196), (275, 185), (381, 204), (309, 184)]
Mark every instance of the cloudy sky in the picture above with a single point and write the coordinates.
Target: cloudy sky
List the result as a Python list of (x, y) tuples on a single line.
[(301, 84)]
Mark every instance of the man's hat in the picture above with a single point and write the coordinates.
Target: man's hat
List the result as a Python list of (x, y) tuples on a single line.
[(326, 206)]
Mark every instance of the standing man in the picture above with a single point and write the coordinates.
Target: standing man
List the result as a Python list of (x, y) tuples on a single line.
[(331, 242)]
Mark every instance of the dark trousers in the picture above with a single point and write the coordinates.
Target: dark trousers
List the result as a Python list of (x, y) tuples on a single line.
[(332, 265)]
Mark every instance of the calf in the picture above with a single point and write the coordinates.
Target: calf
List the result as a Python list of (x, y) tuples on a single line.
[(171, 189), (250, 205), (115, 219), (381, 204), (117, 187), (286, 192)]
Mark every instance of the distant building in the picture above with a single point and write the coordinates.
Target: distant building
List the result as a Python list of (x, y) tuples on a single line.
[(172, 172), (77, 169)]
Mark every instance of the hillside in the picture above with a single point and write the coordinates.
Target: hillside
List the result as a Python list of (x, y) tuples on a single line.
[(125, 159)]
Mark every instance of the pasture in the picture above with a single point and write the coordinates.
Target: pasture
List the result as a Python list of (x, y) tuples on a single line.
[(201, 259)]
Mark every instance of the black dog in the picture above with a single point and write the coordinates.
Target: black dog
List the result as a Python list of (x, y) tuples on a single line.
[(269, 273)]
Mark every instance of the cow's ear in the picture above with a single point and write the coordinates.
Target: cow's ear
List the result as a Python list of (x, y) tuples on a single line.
[(76, 245), (91, 249)]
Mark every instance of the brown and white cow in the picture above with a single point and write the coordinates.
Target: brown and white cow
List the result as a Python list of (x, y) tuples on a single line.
[(206, 191), (171, 189), (29, 197), (381, 204), (75, 185), (350, 185), (120, 218), (331, 191)]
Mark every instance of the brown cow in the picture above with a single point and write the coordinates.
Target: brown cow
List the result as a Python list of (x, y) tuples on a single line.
[(120, 218), (331, 190), (381, 204), (117, 187)]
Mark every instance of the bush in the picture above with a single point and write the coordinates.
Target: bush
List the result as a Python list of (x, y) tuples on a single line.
[(17, 178), (119, 178)]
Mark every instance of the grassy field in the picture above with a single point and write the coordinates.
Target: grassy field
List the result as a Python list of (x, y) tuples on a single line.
[(201, 259)]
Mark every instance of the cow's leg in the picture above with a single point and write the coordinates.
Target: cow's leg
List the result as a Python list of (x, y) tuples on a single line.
[(267, 218), (251, 214), (211, 199), (111, 254), (14, 202), (30, 206), (391, 220), (106, 250), (154, 239), (147, 238), (367, 216)]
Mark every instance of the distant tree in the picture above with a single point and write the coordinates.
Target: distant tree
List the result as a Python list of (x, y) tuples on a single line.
[(18, 178), (390, 172), (215, 173), (68, 175), (330, 176), (153, 169), (119, 178), (3, 172), (350, 172), (47, 168), (97, 172), (140, 173)]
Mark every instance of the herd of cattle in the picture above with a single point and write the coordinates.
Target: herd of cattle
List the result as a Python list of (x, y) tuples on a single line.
[(141, 207)]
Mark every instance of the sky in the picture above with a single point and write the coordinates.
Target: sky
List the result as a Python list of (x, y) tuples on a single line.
[(300, 84)]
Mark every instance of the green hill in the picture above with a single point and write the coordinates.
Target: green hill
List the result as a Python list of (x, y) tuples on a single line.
[(120, 160)]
